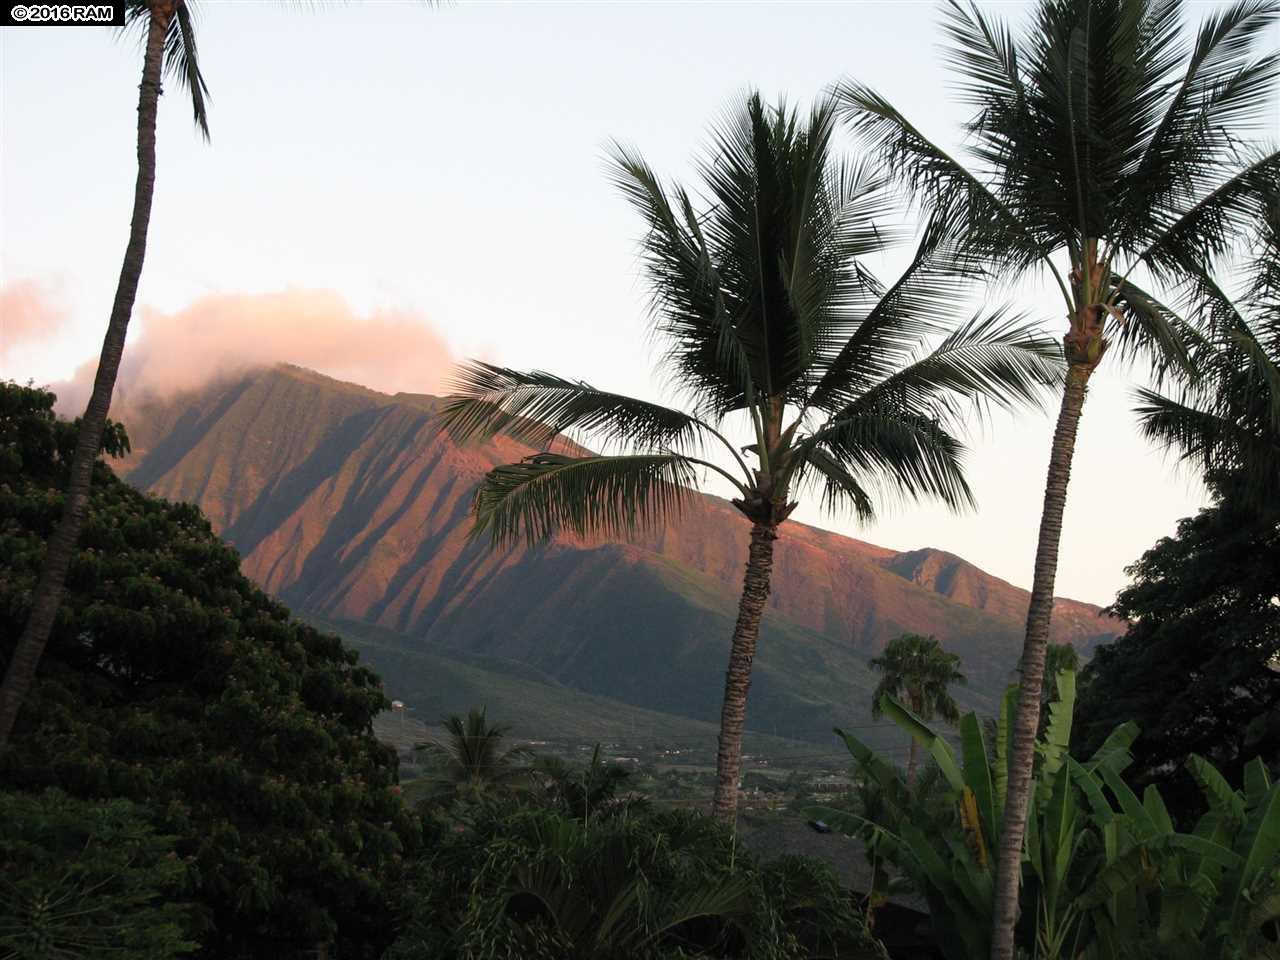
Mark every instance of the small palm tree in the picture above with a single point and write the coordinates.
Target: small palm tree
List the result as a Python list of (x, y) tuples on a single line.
[(846, 386), (919, 673), (1103, 141), (471, 760), (1227, 421)]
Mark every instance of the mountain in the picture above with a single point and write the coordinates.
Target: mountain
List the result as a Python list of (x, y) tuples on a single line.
[(352, 506)]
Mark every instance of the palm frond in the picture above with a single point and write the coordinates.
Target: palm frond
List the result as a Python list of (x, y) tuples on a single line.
[(899, 451), (958, 205), (1151, 331), (182, 62), (919, 304), (839, 488), (536, 407), (707, 355), (984, 52), (996, 358), (595, 496), (1190, 238), (181, 59), (1207, 438)]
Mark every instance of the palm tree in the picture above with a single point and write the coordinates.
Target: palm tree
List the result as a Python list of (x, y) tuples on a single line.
[(471, 759), (919, 673), (768, 314), (1228, 420), (1103, 139), (169, 45)]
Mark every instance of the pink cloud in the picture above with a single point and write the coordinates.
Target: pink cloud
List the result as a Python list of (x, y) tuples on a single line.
[(225, 334), (29, 313)]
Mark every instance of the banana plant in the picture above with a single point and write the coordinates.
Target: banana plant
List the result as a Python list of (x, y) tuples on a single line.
[(1105, 873)]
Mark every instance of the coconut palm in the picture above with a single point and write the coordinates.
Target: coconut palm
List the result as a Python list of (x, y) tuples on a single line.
[(846, 386), (1102, 140), (1228, 420), (471, 760), (918, 673), (169, 45)]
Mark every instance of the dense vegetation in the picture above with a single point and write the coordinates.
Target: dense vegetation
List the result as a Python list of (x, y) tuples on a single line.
[(1106, 873), (1193, 669), (171, 681), (188, 769), (546, 859), (194, 771)]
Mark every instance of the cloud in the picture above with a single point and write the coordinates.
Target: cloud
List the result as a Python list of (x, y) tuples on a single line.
[(29, 314), (225, 334)]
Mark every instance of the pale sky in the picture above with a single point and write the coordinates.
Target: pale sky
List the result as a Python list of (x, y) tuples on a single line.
[(447, 166)]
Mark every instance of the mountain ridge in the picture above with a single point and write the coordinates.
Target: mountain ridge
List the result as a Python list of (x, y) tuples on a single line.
[(351, 505)]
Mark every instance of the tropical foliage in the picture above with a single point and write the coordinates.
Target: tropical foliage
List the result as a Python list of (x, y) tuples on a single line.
[(845, 386), (1105, 874), (88, 879), (1105, 151), (470, 761), (173, 682), (1227, 419), (582, 791), (518, 880), (918, 671), (1193, 668)]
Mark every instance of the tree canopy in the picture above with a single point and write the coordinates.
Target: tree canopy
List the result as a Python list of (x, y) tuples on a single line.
[(172, 681), (1192, 670)]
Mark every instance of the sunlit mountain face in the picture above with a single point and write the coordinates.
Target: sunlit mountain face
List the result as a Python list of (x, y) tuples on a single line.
[(351, 506)]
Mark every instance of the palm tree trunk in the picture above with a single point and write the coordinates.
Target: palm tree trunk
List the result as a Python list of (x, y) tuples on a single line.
[(755, 592), (1027, 718), (62, 545), (911, 764)]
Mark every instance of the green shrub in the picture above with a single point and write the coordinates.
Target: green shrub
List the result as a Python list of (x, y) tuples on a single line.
[(85, 879), (520, 881)]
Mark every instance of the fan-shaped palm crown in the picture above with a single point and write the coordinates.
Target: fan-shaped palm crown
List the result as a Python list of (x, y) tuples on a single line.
[(767, 312)]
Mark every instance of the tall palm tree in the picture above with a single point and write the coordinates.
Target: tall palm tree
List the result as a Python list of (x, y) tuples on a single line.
[(1103, 141), (1228, 420), (919, 673), (768, 314), (169, 46), (472, 760)]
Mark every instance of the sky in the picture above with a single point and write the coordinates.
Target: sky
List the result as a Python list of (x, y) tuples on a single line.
[(391, 187)]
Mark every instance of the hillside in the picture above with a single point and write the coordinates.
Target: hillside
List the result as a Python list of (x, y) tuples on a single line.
[(351, 505)]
